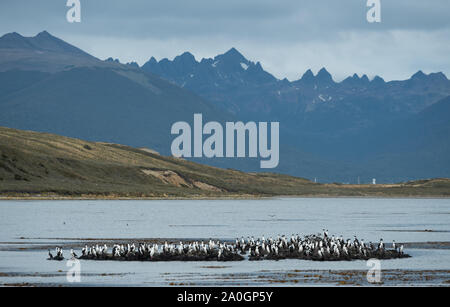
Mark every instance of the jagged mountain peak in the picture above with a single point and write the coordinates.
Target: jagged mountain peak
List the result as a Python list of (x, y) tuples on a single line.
[(111, 60), (324, 76), (419, 75), (133, 64), (185, 57), (307, 77), (232, 55), (258, 66), (233, 52), (152, 60), (308, 74), (438, 76), (45, 34), (355, 80), (323, 71), (432, 77), (378, 80)]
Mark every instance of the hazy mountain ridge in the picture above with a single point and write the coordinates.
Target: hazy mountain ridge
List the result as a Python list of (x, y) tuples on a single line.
[(332, 120), (89, 98), (42, 52), (239, 85)]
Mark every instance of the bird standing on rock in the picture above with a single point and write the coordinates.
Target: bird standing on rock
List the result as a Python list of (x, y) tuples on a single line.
[(319, 247), (72, 253)]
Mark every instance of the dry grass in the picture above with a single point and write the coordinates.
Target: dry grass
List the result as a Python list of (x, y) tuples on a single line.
[(45, 165)]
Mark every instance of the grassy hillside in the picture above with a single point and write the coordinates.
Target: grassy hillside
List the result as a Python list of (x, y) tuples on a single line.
[(36, 164)]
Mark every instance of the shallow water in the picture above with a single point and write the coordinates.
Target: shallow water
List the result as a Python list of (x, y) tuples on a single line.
[(27, 225)]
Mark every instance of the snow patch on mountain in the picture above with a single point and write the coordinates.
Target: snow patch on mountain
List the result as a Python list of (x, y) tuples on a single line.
[(325, 98), (244, 66)]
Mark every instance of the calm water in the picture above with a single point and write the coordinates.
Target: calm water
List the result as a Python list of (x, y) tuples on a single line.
[(40, 223)]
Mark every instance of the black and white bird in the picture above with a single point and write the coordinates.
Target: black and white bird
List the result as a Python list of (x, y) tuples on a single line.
[(72, 253), (381, 244), (320, 246)]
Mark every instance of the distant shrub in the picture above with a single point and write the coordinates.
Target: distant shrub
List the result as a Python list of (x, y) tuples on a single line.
[(87, 147)]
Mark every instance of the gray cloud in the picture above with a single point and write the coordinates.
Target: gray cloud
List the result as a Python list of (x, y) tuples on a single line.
[(287, 36)]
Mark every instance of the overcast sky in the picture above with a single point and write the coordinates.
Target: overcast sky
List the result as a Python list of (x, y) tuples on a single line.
[(286, 36)]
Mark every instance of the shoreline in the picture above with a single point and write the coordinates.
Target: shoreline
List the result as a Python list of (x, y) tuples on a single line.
[(231, 197), (270, 278)]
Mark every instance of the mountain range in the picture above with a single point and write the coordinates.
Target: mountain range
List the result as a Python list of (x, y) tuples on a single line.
[(332, 131), (315, 104), (48, 85), (332, 121)]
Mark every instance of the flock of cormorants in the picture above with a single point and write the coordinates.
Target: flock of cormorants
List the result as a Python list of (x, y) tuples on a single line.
[(319, 247)]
